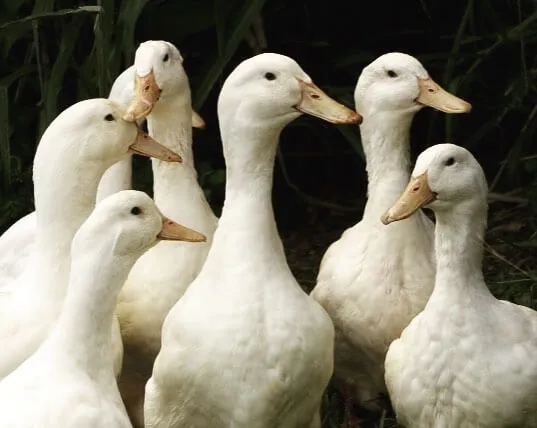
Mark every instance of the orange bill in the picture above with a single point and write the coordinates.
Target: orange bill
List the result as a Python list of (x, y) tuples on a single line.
[(433, 95), (145, 145), (146, 95), (416, 195), (316, 103), (172, 231)]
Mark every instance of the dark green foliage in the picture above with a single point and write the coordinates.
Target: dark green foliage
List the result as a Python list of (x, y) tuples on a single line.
[(56, 52)]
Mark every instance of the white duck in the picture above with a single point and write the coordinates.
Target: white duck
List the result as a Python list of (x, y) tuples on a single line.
[(69, 381), (17, 243), (119, 176), (161, 276), (468, 360), (74, 152), (374, 280), (245, 346)]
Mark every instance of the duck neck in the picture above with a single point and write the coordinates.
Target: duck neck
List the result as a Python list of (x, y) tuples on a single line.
[(247, 222), (459, 237), (64, 193), (171, 124), (386, 143), (83, 330)]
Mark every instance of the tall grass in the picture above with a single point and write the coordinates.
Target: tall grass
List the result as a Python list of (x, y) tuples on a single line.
[(56, 52)]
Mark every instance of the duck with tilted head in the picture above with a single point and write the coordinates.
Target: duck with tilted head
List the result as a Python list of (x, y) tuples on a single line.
[(74, 151), (17, 243), (245, 346), (119, 176)]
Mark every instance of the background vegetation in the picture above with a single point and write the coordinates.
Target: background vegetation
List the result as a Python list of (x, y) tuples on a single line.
[(56, 52)]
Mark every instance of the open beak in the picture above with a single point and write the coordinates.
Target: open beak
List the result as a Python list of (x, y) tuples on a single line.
[(172, 231), (316, 103), (146, 94), (197, 121), (433, 95), (416, 195), (144, 145)]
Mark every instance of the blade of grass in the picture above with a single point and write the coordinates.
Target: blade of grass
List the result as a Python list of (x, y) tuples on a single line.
[(37, 49), (99, 48), (57, 73), (452, 60), (525, 135), (5, 152), (245, 17), (63, 12), (126, 23)]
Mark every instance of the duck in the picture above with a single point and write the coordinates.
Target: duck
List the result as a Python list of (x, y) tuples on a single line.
[(119, 176), (468, 359), (17, 242), (73, 154), (373, 280), (245, 346), (69, 381), (160, 277)]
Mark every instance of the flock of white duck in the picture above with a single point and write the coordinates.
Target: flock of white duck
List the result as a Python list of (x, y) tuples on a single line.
[(108, 320)]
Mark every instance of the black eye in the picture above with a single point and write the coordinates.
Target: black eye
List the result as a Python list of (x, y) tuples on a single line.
[(109, 117), (449, 161), (136, 210), (270, 76), (391, 73), (166, 58)]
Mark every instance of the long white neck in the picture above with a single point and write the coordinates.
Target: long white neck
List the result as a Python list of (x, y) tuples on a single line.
[(64, 190), (83, 329), (459, 254), (247, 228), (386, 143), (175, 185), (116, 178)]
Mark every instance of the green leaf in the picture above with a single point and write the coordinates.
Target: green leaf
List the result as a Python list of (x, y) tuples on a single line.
[(63, 12), (126, 24), (236, 35), (5, 152), (54, 85)]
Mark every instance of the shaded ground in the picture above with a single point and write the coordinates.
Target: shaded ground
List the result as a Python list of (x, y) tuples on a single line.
[(510, 266)]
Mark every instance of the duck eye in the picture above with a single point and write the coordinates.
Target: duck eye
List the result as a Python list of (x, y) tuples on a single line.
[(449, 161), (109, 117), (136, 210), (270, 76), (166, 58), (391, 73)]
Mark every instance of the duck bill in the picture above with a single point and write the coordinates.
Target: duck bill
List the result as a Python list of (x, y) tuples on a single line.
[(316, 103), (172, 231), (197, 121), (146, 95), (416, 195), (144, 145), (433, 95)]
